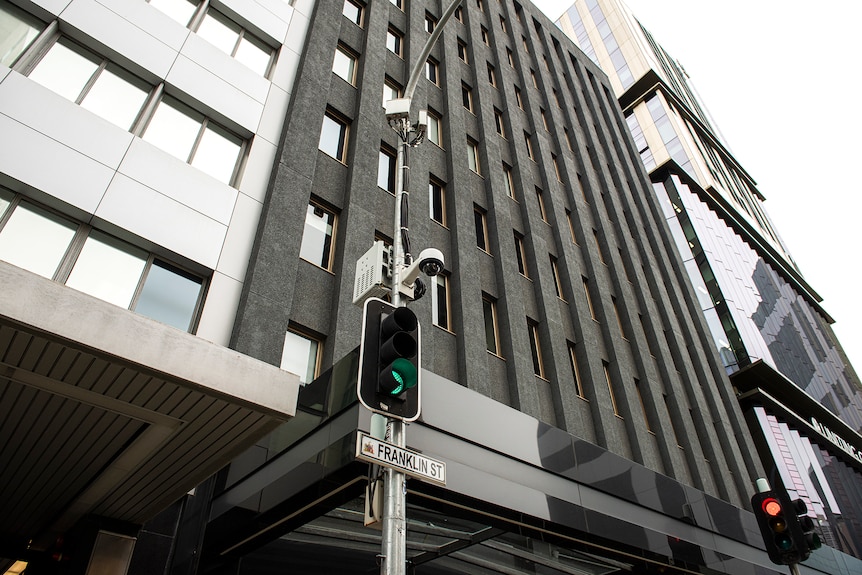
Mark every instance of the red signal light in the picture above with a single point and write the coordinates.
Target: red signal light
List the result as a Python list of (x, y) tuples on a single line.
[(771, 506)]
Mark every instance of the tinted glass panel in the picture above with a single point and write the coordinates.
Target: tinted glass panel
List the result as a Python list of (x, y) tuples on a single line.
[(254, 54), (217, 153), (117, 97), (17, 31), (332, 137), (299, 356), (219, 31), (169, 296), (108, 269), (174, 128), (35, 240), (65, 69), (317, 237)]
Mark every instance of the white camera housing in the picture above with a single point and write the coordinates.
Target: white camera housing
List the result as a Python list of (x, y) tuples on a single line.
[(430, 262)]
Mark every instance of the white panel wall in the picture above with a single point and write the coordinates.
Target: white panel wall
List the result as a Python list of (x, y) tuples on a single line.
[(60, 149)]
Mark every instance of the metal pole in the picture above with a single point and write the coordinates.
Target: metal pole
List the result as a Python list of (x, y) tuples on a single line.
[(394, 537), (394, 544), (794, 569)]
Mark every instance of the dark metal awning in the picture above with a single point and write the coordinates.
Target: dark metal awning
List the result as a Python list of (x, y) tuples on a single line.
[(109, 413)]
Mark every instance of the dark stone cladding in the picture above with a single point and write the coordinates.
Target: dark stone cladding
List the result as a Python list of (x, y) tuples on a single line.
[(654, 389)]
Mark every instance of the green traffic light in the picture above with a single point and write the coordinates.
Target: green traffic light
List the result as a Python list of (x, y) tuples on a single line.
[(404, 373)]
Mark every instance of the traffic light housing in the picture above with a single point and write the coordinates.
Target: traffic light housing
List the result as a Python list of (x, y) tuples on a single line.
[(788, 533), (810, 538), (389, 360)]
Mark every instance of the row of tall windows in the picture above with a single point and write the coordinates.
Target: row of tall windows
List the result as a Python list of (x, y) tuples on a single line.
[(118, 96), (222, 32), (41, 241)]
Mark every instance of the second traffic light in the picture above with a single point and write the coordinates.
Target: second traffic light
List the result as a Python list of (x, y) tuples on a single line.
[(390, 360), (788, 533)]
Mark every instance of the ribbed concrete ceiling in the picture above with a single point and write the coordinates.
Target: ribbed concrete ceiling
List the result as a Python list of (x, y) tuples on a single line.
[(109, 413)]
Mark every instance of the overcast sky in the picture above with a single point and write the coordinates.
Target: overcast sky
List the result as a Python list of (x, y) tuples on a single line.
[(781, 80)]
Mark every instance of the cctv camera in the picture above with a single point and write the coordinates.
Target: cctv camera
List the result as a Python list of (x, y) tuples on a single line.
[(430, 262), (431, 266)]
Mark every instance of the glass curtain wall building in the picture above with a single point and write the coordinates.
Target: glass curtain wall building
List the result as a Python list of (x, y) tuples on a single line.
[(802, 397)]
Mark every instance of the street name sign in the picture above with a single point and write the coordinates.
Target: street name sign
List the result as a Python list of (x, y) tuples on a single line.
[(404, 460)]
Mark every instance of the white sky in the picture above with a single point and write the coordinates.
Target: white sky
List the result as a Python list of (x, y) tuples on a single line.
[(781, 80)]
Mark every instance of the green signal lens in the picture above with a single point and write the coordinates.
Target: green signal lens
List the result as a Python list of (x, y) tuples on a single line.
[(404, 374)]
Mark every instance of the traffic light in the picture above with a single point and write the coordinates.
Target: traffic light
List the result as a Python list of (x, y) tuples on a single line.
[(810, 539), (789, 537), (389, 360)]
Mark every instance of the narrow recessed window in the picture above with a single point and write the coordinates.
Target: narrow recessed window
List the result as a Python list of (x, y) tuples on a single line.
[(607, 370), (440, 302), (386, 165), (318, 235), (568, 138), (353, 11), (432, 71), (619, 317), (195, 139), (301, 355), (462, 50), (391, 91), (397, 3), (519, 98), (526, 45), (481, 222), (485, 39), (643, 405), (571, 227), (437, 201), (459, 14), (541, 201), (430, 22), (333, 137), (556, 97), (576, 374), (467, 97), (534, 79), (544, 116), (556, 163), (19, 31), (555, 272), (498, 122), (492, 75), (528, 142), (670, 420), (344, 64), (479, 5), (509, 179), (489, 309), (598, 246), (536, 348), (521, 255), (589, 299), (91, 81), (510, 58), (394, 41), (473, 156), (434, 131), (503, 23)]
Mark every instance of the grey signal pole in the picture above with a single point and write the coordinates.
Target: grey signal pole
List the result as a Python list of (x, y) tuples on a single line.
[(394, 541)]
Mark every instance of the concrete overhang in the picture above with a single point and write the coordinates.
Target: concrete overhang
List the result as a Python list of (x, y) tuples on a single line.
[(109, 413)]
